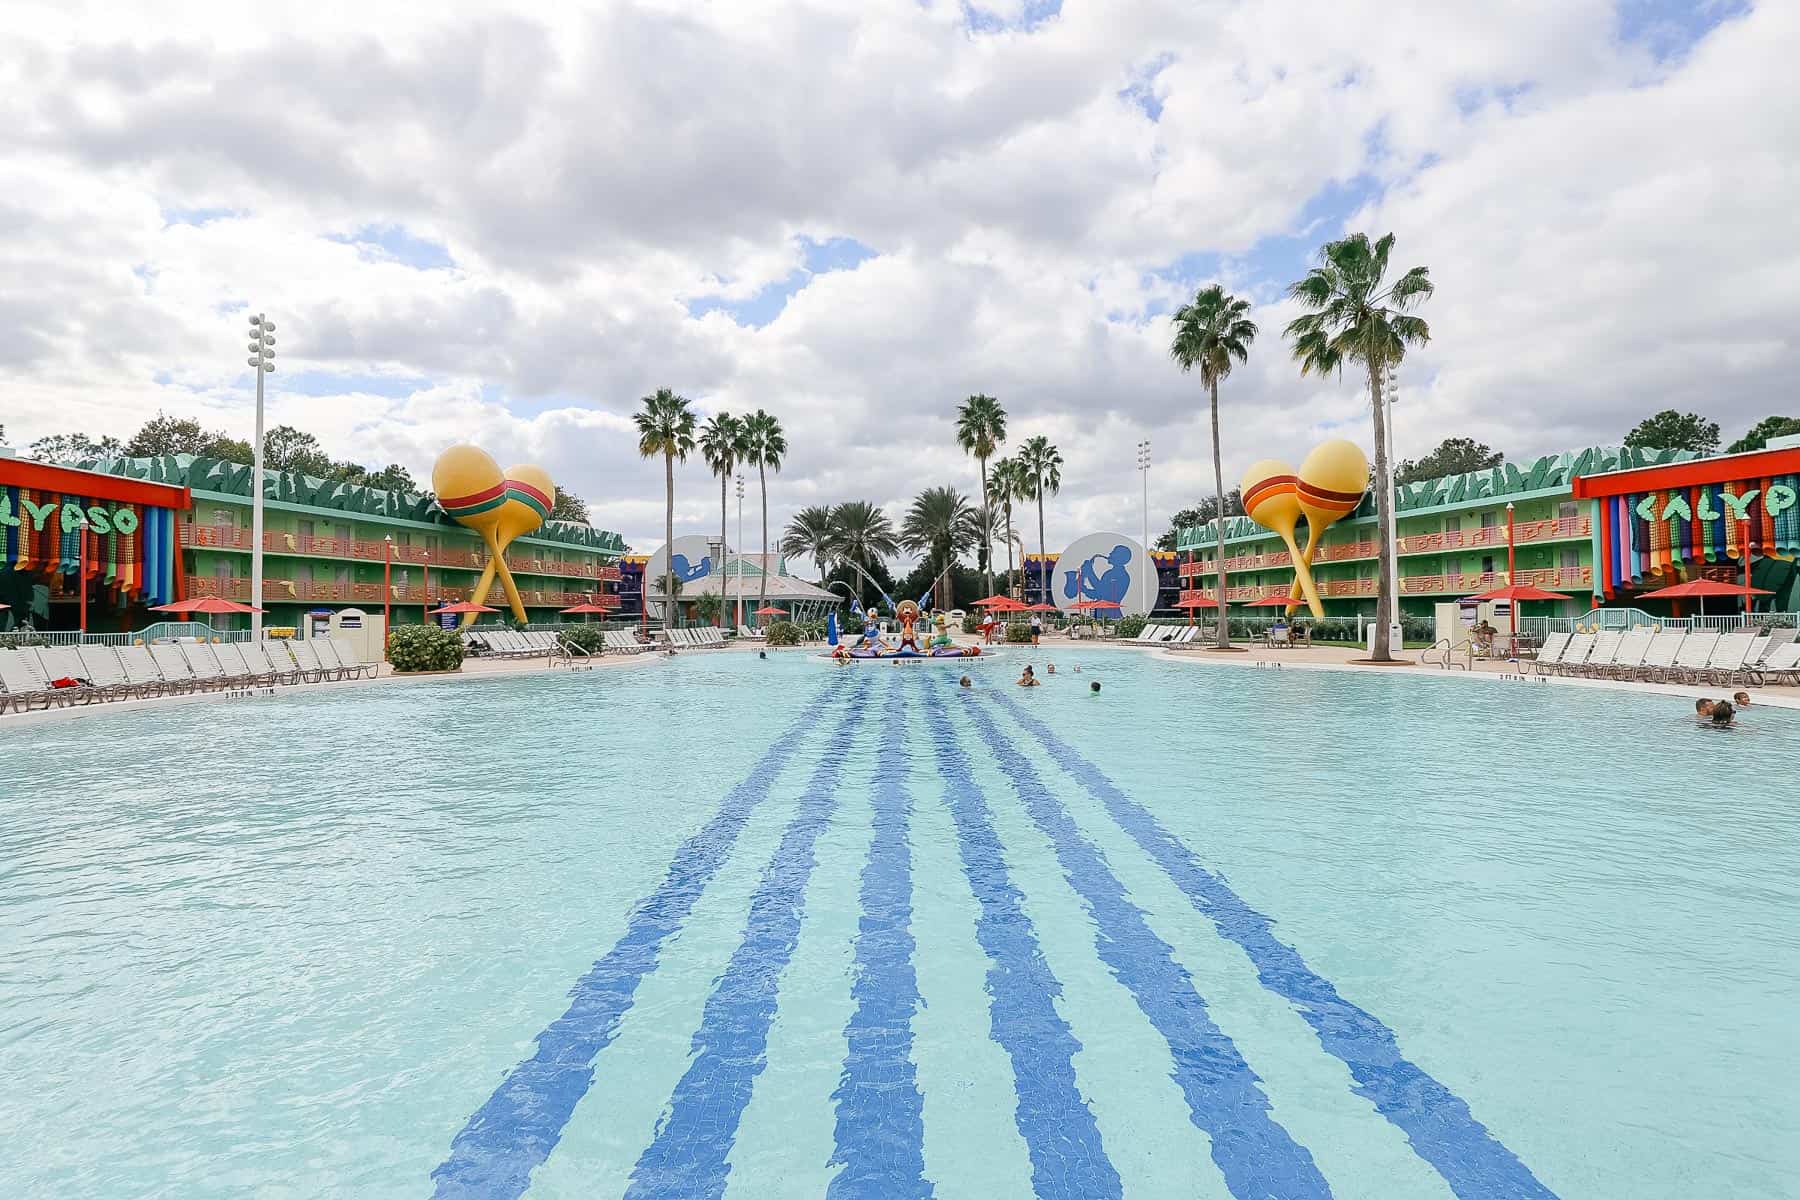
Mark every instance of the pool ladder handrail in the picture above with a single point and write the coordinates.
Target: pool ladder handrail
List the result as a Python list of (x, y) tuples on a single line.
[(566, 654), (1447, 651)]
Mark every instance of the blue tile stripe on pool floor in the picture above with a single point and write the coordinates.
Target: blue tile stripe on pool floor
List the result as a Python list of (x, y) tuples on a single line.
[(1256, 1156), (687, 1160), (1436, 1121), (1068, 1161), (880, 1135), (493, 1156)]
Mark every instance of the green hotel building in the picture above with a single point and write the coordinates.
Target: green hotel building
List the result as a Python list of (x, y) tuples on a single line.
[(326, 546)]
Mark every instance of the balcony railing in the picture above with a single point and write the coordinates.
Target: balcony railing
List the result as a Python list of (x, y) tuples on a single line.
[(237, 587), (1558, 529), (230, 537)]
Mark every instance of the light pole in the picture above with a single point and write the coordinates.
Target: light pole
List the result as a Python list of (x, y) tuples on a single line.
[(387, 583), (425, 587), (1512, 606), (262, 361), (81, 579), (1393, 521), (739, 561), (1150, 581)]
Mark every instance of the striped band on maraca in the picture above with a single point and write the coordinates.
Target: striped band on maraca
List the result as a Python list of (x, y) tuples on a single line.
[(1274, 485), (529, 496), (1338, 503), (486, 500)]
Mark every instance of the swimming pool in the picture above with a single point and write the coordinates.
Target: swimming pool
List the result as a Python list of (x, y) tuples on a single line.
[(767, 929)]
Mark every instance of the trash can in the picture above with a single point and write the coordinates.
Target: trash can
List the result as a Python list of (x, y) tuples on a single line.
[(1394, 639)]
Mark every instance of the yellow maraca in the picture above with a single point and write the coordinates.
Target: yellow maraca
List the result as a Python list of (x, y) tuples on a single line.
[(1331, 484), (472, 491), (1272, 499)]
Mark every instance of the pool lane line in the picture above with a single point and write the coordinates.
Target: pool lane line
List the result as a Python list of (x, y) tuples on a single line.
[(1254, 1153), (1437, 1122), (880, 1133), (687, 1159), (516, 1129), (1068, 1161)]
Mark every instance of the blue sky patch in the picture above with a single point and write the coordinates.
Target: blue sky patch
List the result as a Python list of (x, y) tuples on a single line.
[(819, 257), (1035, 13), (1141, 91), (396, 243), (1670, 28), (197, 216)]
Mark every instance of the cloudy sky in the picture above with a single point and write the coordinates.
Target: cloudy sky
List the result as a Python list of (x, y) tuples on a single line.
[(505, 224)]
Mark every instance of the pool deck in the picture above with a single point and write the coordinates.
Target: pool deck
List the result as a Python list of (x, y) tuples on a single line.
[(1302, 658)]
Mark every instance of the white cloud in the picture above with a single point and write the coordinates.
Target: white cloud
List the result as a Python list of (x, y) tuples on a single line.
[(1610, 232)]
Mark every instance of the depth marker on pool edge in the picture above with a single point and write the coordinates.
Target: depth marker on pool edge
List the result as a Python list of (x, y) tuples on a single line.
[(880, 1134), (1436, 1121), (493, 1156), (1258, 1157), (1068, 1161), (688, 1157)]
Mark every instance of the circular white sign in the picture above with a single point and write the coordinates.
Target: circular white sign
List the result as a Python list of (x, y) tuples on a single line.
[(692, 562), (1104, 566)]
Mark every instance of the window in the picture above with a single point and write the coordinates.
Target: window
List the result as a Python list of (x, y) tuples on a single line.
[(1569, 558), (1487, 564), (1568, 510), (306, 529), (222, 516), (1452, 524), (1490, 519)]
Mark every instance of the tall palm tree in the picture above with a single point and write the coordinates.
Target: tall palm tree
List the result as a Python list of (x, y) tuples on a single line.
[(764, 445), (980, 428), (1211, 332), (1007, 483), (665, 426), (1041, 463), (862, 534), (938, 525), (1355, 319), (722, 445), (811, 532)]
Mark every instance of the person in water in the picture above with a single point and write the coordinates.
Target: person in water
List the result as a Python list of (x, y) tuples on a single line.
[(1703, 708), (1028, 679), (1722, 712), (1094, 688), (763, 654), (1741, 699), (965, 682), (1051, 669)]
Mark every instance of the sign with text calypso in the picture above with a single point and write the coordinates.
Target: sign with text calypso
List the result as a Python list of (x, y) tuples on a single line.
[(68, 514), (1777, 500)]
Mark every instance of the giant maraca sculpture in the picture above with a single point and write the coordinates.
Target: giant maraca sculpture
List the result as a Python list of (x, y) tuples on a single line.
[(500, 506), (1331, 484), (1272, 499)]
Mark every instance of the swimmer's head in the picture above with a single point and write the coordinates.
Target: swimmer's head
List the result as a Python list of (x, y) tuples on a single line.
[(1702, 707), (1094, 686), (965, 682)]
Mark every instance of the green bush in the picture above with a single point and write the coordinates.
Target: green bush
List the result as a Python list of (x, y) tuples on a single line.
[(424, 648), (1018, 632), (782, 633), (1130, 627), (590, 638), (18, 639)]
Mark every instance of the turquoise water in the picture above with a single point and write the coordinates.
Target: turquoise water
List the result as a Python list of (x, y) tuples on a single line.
[(768, 929)]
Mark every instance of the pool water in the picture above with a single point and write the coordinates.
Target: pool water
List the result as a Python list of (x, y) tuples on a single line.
[(721, 926)]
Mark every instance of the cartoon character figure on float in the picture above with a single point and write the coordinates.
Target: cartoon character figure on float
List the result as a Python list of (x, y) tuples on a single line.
[(907, 613), (940, 625)]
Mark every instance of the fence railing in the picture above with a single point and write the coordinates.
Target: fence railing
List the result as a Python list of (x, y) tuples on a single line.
[(1602, 619)]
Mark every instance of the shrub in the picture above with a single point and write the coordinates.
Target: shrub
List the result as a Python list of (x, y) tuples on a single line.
[(590, 638), (1130, 627), (782, 633), (1018, 632), (18, 639), (972, 623), (424, 648)]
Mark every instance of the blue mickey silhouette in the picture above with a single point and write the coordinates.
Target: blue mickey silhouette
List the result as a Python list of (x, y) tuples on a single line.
[(687, 574), (1112, 586)]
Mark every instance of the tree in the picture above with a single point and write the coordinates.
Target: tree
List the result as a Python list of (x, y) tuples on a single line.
[(665, 426), (288, 449), (938, 525), (810, 534), (163, 434), (1453, 456), (74, 447), (1042, 465), (980, 429), (764, 445), (722, 445), (1671, 430), (568, 506), (1759, 434), (1212, 331), (1007, 483), (1355, 319), (862, 536), (1200, 514)]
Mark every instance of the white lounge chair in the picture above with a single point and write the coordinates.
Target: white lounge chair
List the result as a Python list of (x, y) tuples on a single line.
[(140, 669), (206, 665), (312, 668), (349, 659), (1729, 656), (63, 662), (1575, 656), (1549, 654), (1628, 656), (1603, 659), (103, 669), (272, 656), (744, 631), (1782, 664), (174, 667), (1696, 651), (27, 687), (1659, 659)]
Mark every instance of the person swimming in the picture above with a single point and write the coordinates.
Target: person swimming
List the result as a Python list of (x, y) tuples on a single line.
[(763, 654), (1741, 699), (1028, 679), (1051, 669), (965, 682), (1703, 708), (1094, 688), (1722, 712)]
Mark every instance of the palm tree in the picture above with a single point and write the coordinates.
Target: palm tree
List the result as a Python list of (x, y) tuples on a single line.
[(1041, 464), (861, 533), (1354, 319), (764, 445), (1006, 481), (938, 525), (980, 428), (810, 532), (665, 426), (722, 444), (1209, 333)]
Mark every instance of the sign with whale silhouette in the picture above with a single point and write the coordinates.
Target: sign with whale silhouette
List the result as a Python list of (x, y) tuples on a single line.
[(692, 562), (1104, 566)]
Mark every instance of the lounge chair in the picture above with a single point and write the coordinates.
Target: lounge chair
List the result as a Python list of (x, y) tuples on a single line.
[(1603, 659), (140, 668), (622, 641), (63, 662), (1659, 659), (313, 669), (175, 669), (1575, 655), (1729, 656), (101, 666), (21, 674), (207, 668), (1696, 651), (1629, 655), (744, 631), (1549, 654), (273, 656), (1783, 664), (253, 670), (349, 659)]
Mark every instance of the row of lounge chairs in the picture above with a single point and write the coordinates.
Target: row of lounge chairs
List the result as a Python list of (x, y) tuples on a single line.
[(1674, 656), (507, 643), (1168, 635), (623, 641), (167, 668), (701, 637)]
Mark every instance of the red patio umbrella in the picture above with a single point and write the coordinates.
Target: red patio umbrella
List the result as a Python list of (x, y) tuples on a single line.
[(208, 605), (769, 610), (1700, 589), (1042, 608), (987, 600), (1517, 593), (1197, 602), (460, 607)]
